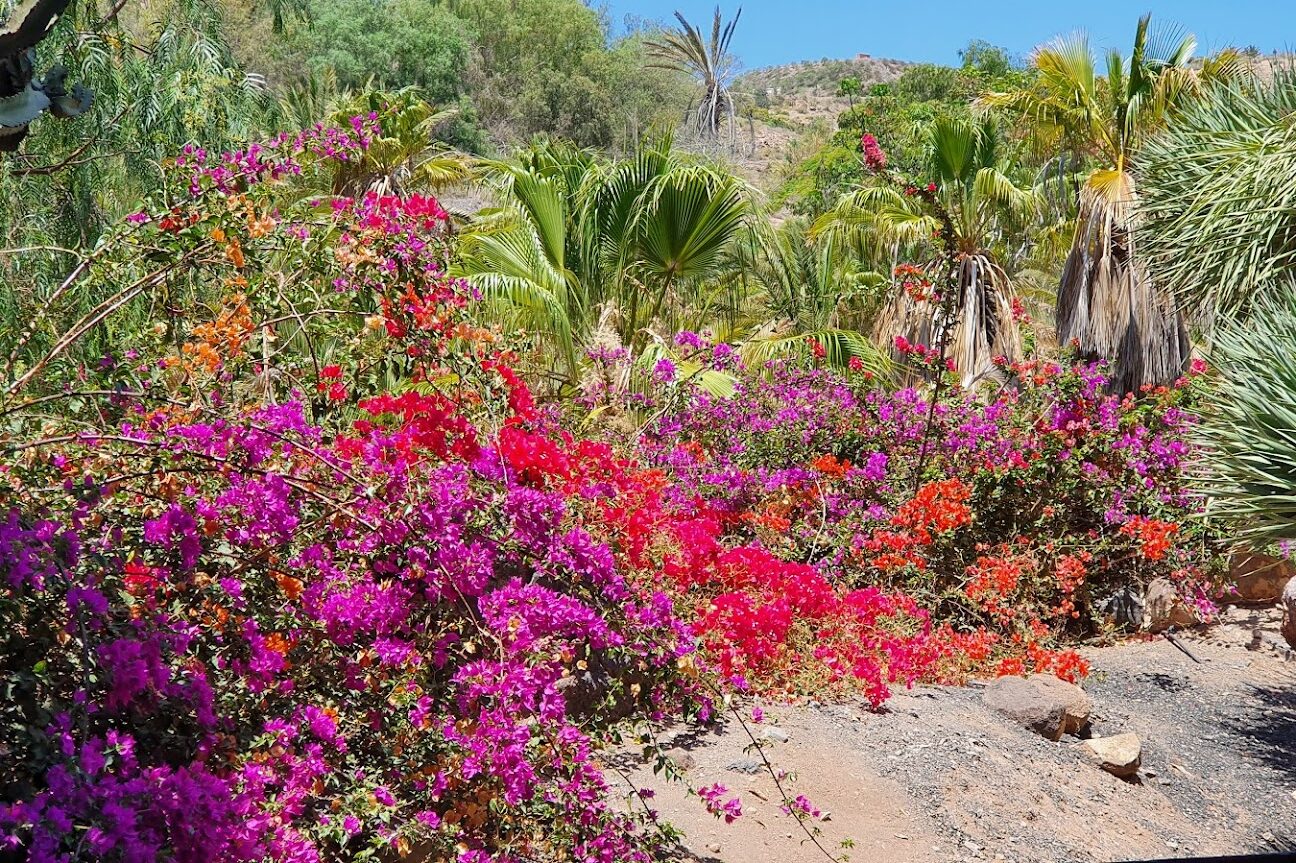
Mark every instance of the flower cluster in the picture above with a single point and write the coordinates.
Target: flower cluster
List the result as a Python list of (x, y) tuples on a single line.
[(874, 158), (822, 507), (277, 612)]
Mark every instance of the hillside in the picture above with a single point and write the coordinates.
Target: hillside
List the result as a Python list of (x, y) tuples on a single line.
[(807, 90), (798, 108)]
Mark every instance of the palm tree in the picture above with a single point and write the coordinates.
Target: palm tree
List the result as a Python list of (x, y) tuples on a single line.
[(1219, 191), (1249, 424), (709, 62), (985, 209), (405, 157), (1107, 303), (576, 240), (800, 293)]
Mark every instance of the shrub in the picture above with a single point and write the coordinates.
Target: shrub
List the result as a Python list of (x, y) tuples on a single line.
[(1004, 525), (257, 607)]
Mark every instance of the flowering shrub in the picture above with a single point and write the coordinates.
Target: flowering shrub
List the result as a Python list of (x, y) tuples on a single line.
[(841, 531), (258, 608), (306, 573)]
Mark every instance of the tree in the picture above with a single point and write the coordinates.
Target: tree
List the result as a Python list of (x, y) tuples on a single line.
[(390, 45), (981, 210), (578, 239), (850, 88), (1218, 200), (1107, 302), (709, 62)]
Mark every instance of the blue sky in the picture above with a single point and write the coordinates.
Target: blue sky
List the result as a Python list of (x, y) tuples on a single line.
[(782, 31)]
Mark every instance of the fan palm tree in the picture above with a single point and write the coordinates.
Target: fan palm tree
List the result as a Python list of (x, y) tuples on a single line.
[(709, 62), (405, 156), (1107, 303), (986, 209), (575, 236)]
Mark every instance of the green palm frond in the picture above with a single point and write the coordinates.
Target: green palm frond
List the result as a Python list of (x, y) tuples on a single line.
[(1249, 423), (839, 348), (1218, 193)]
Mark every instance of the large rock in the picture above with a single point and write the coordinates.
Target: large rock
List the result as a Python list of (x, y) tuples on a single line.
[(1077, 702), (1257, 579), (1289, 613), (1042, 703), (1162, 608), (1119, 755)]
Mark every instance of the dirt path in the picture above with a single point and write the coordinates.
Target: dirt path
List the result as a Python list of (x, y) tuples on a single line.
[(938, 777)]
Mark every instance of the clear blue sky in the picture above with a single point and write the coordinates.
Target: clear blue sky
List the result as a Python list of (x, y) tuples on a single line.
[(783, 31)]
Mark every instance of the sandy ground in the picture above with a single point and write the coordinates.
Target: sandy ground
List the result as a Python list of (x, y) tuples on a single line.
[(938, 777)]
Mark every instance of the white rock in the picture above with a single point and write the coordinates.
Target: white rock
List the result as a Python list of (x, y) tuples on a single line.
[(1119, 755), (775, 734), (1289, 615)]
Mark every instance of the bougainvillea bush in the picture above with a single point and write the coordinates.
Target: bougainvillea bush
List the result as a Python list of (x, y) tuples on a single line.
[(256, 606), (843, 531), (299, 570)]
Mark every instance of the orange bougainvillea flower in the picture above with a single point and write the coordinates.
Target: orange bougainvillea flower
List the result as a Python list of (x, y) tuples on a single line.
[(935, 508), (830, 465), (235, 253), (220, 340), (290, 586), (1154, 536)]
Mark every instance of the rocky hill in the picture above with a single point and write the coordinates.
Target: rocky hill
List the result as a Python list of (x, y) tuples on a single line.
[(807, 90)]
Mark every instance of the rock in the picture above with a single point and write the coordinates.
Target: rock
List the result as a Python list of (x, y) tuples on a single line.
[(750, 766), (1289, 614), (681, 758), (1119, 755), (1162, 607), (1078, 703), (1028, 703), (1257, 578), (775, 734), (714, 847)]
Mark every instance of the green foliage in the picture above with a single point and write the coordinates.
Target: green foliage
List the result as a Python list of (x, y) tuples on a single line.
[(546, 69), (1218, 197), (1250, 424), (579, 241), (389, 45)]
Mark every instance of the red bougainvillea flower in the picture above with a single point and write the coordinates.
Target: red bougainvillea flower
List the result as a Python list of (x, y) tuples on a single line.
[(874, 158)]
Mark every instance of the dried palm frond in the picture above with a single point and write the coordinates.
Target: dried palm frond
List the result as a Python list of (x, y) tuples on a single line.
[(1107, 305), (982, 328)]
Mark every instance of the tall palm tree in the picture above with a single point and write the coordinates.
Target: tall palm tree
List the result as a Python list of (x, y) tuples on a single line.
[(574, 238), (986, 209), (709, 61), (1107, 302)]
